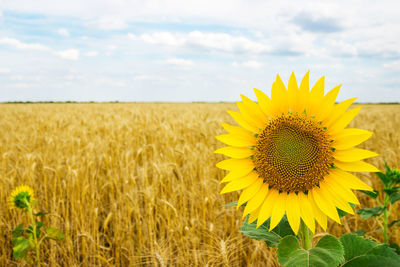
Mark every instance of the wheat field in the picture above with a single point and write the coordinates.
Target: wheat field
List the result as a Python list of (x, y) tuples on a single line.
[(136, 184)]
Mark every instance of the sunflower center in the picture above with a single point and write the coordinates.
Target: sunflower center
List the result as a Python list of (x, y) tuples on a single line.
[(293, 153), (21, 199)]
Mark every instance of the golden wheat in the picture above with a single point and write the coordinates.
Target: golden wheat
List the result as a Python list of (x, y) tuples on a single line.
[(136, 184)]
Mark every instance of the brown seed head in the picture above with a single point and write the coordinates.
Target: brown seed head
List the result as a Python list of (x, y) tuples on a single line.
[(293, 153)]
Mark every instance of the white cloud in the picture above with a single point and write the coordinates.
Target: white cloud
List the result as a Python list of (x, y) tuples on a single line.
[(21, 85), (5, 70), (393, 66), (92, 53), (251, 64), (108, 23), (163, 38), (179, 62), (63, 32), (25, 78), (131, 36), (346, 44), (206, 40), (70, 54), (342, 48), (225, 42), (110, 49), (118, 83), (143, 78), (23, 46)]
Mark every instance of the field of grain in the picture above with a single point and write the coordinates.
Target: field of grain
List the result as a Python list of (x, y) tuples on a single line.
[(136, 184)]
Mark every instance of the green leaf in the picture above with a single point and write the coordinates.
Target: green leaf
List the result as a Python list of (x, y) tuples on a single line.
[(54, 233), (262, 233), (392, 190), (20, 249), (395, 197), (373, 194), (359, 232), (41, 213), (385, 179), (234, 203), (283, 228), (363, 252), (395, 247), (355, 246), (370, 212), (17, 232), (271, 238), (38, 231), (343, 213), (393, 174), (328, 252), (393, 222)]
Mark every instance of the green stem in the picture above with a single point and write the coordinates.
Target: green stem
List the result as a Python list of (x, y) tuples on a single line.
[(385, 219), (34, 233), (305, 236)]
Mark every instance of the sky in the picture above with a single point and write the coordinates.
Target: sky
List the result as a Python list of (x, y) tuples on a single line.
[(184, 51)]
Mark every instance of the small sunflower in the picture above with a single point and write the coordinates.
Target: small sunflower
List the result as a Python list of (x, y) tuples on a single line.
[(20, 197), (293, 153)]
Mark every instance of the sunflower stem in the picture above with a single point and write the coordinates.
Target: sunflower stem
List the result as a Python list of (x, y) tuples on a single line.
[(34, 232), (305, 235), (385, 219)]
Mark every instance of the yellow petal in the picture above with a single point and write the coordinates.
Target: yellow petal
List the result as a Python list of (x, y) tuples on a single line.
[(356, 166), (306, 211), (335, 198), (240, 183), (315, 98), (338, 111), (278, 210), (343, 192), (235, 152), (327, 104), (350, 137), (264, 102), (256, 201), (279, 97), (303, 93), (253, 215), (243, 122), (249, 116), (236, 174), (255, 109), (249, 192), (319, 215), (237, 130), (324, 204), (235, 164), (293, 211), (293, 90), (341, 123), (353, 154), (305, 84), (318, 88), (348, 180), (237, 140), (266, 208)]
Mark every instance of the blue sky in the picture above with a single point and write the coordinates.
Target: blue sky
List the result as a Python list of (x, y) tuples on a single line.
[(109, 50)]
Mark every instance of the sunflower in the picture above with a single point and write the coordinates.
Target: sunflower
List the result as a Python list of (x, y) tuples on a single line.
[(20, 197), (292, 155)]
